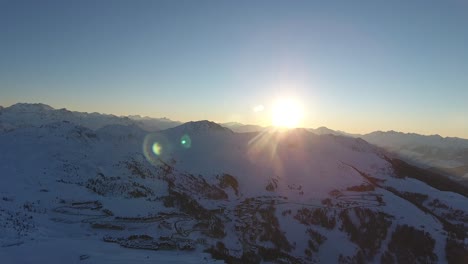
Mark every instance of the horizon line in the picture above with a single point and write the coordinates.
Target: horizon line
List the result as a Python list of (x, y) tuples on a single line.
[(223, 123)]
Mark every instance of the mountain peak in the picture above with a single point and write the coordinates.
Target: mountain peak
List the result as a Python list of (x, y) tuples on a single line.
[(203, 125), (28, 107), (230, 124), (325, 131)]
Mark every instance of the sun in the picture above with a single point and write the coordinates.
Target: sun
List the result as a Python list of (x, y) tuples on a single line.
[(286, 113)]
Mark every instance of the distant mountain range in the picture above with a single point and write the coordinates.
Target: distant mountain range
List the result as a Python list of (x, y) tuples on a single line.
[(448, 156), (23, 114), (79, 187)]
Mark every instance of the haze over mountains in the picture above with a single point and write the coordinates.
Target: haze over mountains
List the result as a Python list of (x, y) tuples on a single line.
[(92, 188), (448, 155)]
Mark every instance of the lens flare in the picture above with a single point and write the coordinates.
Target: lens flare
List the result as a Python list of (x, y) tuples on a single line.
[(263, 150), (258, 108), (157, 148), (186, 141)]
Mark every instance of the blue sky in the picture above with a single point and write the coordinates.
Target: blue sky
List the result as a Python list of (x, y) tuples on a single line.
[(356, 66)]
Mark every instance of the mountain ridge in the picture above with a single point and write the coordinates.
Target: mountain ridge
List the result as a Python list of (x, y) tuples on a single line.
[(276, 195), (37, 114), (448, 155), (320, 130)]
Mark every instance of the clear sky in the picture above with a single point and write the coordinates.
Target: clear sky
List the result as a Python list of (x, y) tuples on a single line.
[(356, 66)]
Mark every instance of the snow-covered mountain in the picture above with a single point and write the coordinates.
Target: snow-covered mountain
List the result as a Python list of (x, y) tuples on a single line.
[(154, 124), (448, 155), (241, 128), (200, 192), (24, 114), (326, 131)]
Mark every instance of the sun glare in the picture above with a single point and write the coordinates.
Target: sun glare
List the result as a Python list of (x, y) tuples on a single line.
[(286, 113)]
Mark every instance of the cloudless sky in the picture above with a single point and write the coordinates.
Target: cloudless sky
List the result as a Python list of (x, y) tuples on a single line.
[(356, 66)]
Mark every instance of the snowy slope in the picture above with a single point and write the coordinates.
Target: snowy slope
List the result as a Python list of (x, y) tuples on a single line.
[(448, 155), (199, 191)]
